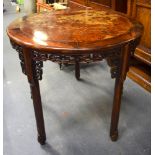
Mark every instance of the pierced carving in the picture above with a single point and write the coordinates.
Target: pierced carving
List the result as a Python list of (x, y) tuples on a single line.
[(38, 69), (19, 49), (37, 65), (112, 56), (70, 59), (114, 63)]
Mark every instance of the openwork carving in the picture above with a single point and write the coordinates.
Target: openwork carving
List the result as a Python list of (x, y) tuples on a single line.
[(37, 65), (38, 69), (70, 59), (19, 49), (112, 56), (114, 63)]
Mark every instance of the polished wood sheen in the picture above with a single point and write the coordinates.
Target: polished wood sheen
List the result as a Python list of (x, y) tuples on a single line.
[(72, 30), (72, 36)]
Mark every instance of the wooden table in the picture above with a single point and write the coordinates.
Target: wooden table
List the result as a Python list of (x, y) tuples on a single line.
[(72, 36)]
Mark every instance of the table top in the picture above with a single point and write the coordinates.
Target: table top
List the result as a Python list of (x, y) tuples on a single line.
[(74, 30)]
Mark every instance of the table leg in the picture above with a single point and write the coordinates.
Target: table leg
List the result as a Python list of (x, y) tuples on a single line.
[(77, 70), (60, 66), (35, 92), (123, 68)]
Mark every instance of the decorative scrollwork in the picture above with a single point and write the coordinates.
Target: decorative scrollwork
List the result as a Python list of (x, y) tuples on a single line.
[(113, 60), (37, 65), (38, 69), (70, 59), (112, 55), (19, 49), (114, 63)]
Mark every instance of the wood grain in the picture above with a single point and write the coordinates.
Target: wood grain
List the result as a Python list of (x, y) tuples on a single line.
[(68, 30)]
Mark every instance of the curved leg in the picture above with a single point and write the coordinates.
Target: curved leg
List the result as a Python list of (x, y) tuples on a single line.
[(120, 77), (35, 92)]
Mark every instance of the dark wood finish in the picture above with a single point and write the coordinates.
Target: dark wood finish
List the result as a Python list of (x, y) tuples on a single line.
[(35, 92), (74, 31), (140, 73), (124, 67), (74, 37), (141, 11), (77, 69)]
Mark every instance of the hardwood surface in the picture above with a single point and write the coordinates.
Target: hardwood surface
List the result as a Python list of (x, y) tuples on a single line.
[(74, 31), (75, 36)]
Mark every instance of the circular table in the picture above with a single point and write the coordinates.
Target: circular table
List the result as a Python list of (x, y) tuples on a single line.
[(74, 37)]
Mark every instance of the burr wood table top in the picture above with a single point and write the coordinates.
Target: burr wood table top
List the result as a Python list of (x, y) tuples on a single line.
[(71, 31)]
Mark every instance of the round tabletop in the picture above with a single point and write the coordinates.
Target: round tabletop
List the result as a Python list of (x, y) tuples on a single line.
[(72, 30)]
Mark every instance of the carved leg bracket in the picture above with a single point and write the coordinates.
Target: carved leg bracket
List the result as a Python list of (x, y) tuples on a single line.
[(38, 69), (19, 49), (114, 63)]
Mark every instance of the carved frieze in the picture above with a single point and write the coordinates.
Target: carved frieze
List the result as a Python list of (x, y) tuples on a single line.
[(19, 49), (112, 56)]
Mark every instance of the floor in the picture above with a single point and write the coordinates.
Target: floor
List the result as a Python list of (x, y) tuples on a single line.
[(77, 113)]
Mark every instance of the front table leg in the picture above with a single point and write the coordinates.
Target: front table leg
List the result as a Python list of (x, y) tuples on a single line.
[(35, 92), (122, 70)]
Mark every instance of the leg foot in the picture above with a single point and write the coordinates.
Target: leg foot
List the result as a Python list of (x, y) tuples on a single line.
[(60, 65), (41, 140), (77, 70), (114, 136), (122, 68)]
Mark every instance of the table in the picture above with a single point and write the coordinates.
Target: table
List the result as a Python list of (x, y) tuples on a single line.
[(71, 36)]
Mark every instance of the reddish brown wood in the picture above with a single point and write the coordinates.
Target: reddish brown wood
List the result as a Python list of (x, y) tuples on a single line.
[(35, 92), (72, 37), (73, 31), (124, 60)]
